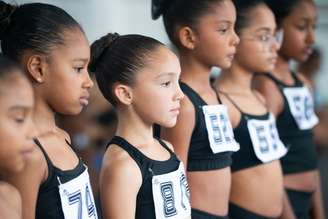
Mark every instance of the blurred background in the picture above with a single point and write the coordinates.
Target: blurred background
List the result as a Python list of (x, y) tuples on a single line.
[(92, 129)]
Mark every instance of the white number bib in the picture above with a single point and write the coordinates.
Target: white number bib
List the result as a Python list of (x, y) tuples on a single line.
[(265, 138), (77, 198), (300, 102), (171, 195), (219, 129)]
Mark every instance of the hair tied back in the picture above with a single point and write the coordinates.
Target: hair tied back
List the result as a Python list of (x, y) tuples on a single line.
[(158, 8), (100, 47), (6, 10)]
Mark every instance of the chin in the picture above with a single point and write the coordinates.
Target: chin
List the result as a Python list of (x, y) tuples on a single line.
[(225, 65), (169, 124), (72, 111), (269, 69), (19, 166), (302, 58)]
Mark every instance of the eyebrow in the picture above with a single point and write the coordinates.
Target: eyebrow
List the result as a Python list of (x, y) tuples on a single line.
[(224, 21), (80, 60), (267, 29), (19, 107), (307, 19), (166, 74)]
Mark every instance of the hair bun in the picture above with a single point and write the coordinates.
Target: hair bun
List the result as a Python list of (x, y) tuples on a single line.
[(99, 48), (158, 8), (6, 10)]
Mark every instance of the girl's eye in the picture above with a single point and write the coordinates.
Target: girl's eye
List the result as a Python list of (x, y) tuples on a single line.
[(78, 69), (166, 84), (264, 38), (20, 120), (223, 30), (301, 27)]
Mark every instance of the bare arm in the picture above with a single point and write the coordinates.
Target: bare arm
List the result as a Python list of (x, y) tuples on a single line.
[(317, 210), (287, 211), (28, 182), (120, 181), (179, 136), (10, 202)]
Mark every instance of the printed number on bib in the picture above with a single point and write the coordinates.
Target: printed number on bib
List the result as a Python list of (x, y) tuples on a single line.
[(265, 139), (171, 195), (219, 129), (77, 198), (300, 102)]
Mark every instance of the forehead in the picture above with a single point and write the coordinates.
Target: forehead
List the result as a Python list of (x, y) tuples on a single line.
[(220, 12), (76, 45), (305, 10), (261, 17), (15, 90), (161, 60)]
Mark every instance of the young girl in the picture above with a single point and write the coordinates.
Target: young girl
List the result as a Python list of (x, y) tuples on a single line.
[(16, 132), (53, 50), (203, 32), (141, 177), (289, 97), (257, 187)]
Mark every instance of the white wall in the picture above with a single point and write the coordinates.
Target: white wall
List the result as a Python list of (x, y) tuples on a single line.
[(101, 16), (321, 41), (133, 16)]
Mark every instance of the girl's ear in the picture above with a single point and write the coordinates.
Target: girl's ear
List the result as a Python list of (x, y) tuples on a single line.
[(187, 37), (36, 68), (123, 93)]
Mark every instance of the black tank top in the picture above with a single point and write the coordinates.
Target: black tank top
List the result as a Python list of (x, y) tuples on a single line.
[(145, 208), (48, 202), (200, 155), (246, 156), (302, 154)]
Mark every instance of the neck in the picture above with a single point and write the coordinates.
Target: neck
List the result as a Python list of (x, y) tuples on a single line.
[(133, 128), (193, 72), (5, 175), (43, 117), (282, 65), (236, 79)]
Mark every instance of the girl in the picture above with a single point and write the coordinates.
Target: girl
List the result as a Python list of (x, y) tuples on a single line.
[(141, 177), (203, 32), (54, 52), (257, 189), (16, 132), (290, 99)]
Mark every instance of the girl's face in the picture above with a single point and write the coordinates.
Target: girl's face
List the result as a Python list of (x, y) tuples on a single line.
[(257, 51), (16, 127), (216, 39), (299, 32), (156, 92), (67, 82)]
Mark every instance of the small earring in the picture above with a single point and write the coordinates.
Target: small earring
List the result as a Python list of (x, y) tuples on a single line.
[(39, 80)]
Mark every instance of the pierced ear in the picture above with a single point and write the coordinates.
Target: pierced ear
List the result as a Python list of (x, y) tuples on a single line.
[(123, 93), (187, 37), (35, 65)]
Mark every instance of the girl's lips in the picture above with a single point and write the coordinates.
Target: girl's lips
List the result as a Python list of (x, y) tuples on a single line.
[(308, 51), (27, 151), (273, 59), (231, 56), (84, 101), (175, 110)]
